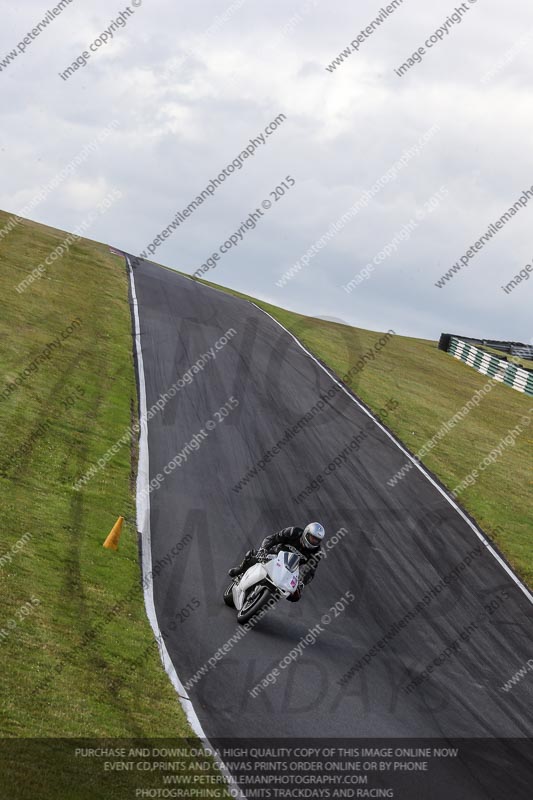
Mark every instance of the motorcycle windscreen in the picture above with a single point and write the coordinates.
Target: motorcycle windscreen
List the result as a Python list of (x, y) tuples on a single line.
[(281, 575), (291, 561)]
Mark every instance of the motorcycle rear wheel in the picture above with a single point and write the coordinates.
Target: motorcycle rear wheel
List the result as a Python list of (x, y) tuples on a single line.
[(228, 595)]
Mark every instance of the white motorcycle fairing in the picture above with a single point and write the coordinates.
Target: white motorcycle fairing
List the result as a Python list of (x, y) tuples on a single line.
[(280, 575), (274, 571)]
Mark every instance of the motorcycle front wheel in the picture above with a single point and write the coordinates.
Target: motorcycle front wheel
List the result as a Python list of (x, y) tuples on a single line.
[(258, 597)]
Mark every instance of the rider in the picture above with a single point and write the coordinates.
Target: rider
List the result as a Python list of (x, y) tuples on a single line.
[(306, 541)]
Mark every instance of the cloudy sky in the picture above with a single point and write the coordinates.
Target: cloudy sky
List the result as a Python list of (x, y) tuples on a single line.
[(186, 86)]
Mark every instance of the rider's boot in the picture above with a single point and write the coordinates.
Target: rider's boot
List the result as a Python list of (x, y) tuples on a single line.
[(245, 564)]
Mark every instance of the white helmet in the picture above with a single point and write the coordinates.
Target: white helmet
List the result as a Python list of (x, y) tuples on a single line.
[(313, 535)]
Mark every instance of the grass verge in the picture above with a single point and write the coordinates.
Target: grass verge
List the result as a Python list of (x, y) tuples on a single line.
[(430, 387), (78, 655)]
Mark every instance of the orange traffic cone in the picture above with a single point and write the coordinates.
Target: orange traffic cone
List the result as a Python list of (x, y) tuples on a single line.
[(112, 540)]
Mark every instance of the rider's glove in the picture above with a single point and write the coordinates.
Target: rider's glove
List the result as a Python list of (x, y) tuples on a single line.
[(261, 554), (295, 596)]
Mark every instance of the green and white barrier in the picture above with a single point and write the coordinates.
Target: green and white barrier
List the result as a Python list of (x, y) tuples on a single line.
[(513, 376)]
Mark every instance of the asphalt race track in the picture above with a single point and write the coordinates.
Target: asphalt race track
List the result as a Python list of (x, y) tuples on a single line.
[(400, 543)]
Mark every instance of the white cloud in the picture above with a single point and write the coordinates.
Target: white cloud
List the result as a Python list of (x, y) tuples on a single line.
[(188, 103)]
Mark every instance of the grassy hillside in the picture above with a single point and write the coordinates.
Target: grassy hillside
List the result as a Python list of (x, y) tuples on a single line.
[(430, 387), (78, 655)]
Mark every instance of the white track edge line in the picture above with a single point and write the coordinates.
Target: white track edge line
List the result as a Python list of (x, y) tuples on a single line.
[(143, 526), (461, 513), (398, 444)]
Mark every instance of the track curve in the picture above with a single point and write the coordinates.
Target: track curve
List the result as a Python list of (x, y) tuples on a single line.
[(399, 544)]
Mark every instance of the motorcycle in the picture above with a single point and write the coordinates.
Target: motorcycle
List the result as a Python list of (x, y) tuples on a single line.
[(275, 576)]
